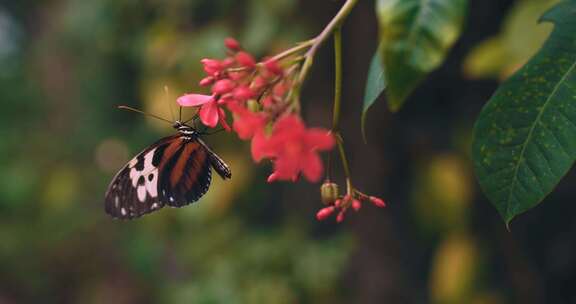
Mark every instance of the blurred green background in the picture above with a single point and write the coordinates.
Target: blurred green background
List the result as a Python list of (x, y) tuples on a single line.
[(66, 64)]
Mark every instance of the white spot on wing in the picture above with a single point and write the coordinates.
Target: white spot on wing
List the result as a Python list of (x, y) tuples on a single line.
[(150, 187), (141, 191)]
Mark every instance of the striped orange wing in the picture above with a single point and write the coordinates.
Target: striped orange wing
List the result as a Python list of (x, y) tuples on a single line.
[(185, 172)]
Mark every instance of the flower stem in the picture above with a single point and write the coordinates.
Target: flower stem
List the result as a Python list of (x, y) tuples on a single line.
[(300, 47), (324, 35), (340, 143), (337, 78)]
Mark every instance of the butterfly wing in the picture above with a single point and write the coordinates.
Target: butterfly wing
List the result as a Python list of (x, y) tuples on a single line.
[(175, 171), (133, 192), (217, 163), (185, 174)]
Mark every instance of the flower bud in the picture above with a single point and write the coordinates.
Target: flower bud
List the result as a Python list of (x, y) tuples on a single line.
[(340, 217), (268, 102), (378, 202), (211, 66), (273, 67), (206, 81), (232, 44), (356, 205), (324, 213), (338, 203), (223, 86), (258, 83), (329, 192), (245, 60), (228, 61), (237, 76), (243, 93), (280, 89), (272, 178)]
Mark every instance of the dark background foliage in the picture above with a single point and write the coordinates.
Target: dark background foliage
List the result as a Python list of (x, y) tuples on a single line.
[(66, 65)]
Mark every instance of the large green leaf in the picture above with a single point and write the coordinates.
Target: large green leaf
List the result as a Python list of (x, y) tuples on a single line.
[(415, 36), (525, 137), (375, 85)]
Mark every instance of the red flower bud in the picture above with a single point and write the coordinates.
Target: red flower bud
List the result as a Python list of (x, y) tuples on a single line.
[(243, 93), (226, 98), (324, 213), (356, 205), (280, 89), (258, 83), (236, 76), (268, 101), (228, 62), (232, 44), (338, 203), (272, 178), (378, 202), (206, 81), (211, 66), (273, 67), (340, 217), (223, 86), (245, 60)]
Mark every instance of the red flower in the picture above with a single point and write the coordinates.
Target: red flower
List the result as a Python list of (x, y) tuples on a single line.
[(293, 148), (210, 112), (246, 123)]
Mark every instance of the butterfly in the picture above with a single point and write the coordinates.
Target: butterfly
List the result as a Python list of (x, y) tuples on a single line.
[(174, 171)]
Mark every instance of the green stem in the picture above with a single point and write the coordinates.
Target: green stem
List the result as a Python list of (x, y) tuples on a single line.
[(324, 35), (300, 47), (345, 166), (337, 78)]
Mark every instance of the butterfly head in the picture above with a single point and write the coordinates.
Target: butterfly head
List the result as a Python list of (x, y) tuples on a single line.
[(185, 129)]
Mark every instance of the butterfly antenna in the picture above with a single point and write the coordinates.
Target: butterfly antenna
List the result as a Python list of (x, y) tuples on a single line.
[(144, 113), (180, 113), (167, 97)]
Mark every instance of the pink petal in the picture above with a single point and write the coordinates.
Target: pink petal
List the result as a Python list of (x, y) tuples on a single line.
[(287, 168), (312, 167), (209, 114), (260, 147), (291, 124), (320, 139), (193, 100), (222, 119)]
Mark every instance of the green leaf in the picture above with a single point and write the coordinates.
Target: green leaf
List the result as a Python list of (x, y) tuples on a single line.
[(375, 85), (525, 137), (415, 36)]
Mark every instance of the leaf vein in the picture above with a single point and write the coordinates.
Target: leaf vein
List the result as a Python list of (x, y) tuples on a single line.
[(528, 138)]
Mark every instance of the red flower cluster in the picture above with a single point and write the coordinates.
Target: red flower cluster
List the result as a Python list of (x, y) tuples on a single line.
[(258, 96), (343, 204)]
